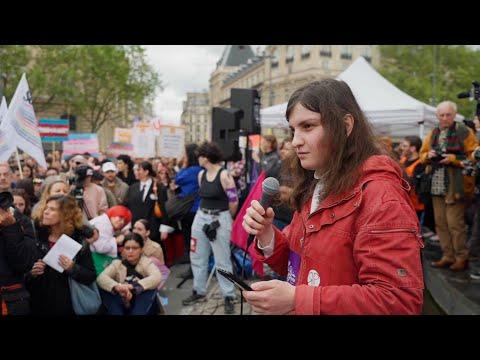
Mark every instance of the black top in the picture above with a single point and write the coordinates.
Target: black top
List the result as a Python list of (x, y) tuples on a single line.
[(50, 292), (17, 254), (129, 180), (212, 195), (146, 209)]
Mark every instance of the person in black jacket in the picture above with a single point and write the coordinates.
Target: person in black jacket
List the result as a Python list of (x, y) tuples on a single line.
[(17, 254), (125, 170), (49, 289), (141, 199)]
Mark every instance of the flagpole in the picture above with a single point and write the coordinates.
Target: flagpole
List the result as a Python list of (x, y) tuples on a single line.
[(19, 164)]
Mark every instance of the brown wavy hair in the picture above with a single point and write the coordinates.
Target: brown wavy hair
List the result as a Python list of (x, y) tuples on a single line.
[(38, 209), (71, 217), (333, 100)]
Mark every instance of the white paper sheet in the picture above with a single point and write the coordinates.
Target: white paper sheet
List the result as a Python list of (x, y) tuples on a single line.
[(65, 245)]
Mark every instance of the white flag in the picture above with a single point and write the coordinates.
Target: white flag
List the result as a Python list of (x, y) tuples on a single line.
[(21, 118), (7, 137)]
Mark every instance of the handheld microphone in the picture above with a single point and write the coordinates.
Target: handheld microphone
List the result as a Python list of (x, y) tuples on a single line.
[(270, 190)]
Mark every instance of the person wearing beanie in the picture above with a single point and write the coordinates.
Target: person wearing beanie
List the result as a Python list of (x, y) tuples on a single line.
[(116, 218)]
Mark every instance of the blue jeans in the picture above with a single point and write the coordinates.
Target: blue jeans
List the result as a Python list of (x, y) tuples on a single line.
[(201, 246), (141, 304)]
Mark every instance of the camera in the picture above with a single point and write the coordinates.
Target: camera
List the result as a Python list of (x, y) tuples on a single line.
[(437, 158), (81, 174), (211, 230), (472, 94), (472, 168)]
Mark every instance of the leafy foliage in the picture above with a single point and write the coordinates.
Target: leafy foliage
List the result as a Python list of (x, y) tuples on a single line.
[(412, 68)]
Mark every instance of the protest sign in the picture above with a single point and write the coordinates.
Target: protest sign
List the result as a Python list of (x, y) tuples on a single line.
[(171, 142)]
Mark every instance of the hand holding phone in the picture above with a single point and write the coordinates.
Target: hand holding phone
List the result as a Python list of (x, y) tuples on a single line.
[(240, 284)]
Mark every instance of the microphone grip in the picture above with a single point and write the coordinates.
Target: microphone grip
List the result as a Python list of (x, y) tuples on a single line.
[(265, 201)]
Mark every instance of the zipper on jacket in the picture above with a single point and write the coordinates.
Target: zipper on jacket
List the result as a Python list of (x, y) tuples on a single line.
[(392, 231), (413, 231)]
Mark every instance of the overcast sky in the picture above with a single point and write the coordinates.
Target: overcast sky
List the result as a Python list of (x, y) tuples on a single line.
[(183, 68)]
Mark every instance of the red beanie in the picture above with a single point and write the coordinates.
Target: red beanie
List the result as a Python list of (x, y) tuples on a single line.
[(120, 210)]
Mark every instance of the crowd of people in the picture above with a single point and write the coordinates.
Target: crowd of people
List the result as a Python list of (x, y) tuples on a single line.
[(125, 213), (128, 213)]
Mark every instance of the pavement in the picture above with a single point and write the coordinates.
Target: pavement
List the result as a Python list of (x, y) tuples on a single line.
[(214, 305)]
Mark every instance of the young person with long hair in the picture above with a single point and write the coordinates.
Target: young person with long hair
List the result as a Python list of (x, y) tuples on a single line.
[(353, 246)]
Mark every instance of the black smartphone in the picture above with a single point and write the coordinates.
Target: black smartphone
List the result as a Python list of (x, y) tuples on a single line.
[(235, 280)]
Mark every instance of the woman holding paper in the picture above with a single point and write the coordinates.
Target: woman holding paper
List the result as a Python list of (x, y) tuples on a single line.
[(49, 288)]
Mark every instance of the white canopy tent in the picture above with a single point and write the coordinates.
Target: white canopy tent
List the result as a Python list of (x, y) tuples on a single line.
[(391, 111)]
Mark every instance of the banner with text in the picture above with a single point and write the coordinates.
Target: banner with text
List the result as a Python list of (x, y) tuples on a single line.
[(143, 140), (80, 144), (117, 148), (122, 135), (171, 142)]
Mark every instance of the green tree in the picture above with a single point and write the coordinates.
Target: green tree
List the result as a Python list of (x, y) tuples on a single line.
[(13, 62), (432, 73), (97, 83)]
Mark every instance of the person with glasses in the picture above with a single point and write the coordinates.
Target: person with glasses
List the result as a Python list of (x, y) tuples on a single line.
[(128, 286)]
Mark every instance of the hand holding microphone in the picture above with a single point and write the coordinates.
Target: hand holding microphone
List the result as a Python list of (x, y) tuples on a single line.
[(258, 221)]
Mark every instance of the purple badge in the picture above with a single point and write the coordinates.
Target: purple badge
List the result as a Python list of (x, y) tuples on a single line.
[(293, 267)]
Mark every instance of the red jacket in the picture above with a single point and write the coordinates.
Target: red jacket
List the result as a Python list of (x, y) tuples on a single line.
[(360, 251)]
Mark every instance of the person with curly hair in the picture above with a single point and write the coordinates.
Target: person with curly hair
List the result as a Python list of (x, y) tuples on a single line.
[(49, 289)]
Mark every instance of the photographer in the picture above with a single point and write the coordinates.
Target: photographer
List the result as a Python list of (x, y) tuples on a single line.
[(212, 225), (91, 197), (17, 255), (444, 149)]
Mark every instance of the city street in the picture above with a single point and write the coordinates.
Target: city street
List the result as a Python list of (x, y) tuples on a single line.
[(213, 305)]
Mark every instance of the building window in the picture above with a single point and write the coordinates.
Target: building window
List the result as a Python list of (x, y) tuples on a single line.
[(346, 53), (326, 50), (325, 64), (367, 53), (275, 58), (290, 54), (305, 51)]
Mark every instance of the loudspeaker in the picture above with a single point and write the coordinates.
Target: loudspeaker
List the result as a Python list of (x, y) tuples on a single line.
[(225, 131), (247, 100)]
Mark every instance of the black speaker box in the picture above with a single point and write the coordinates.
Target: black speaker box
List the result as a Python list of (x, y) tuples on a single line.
[(247, 100), (225, 131)]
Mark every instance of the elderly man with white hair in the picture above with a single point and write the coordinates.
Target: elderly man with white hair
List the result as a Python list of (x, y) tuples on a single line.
[(444, 149)]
